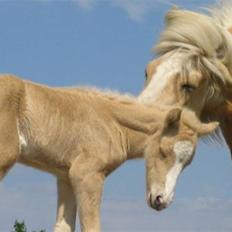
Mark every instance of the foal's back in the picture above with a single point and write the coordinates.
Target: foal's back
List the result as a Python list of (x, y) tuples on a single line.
[(51, 126)]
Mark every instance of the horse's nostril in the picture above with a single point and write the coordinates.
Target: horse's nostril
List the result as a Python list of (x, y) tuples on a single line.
[(158, 200)]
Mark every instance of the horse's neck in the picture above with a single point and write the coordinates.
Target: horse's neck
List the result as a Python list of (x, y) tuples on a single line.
[(224, 116)]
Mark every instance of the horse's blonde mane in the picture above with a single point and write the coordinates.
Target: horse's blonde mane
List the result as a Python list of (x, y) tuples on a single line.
[(222, 13), (204, 41), (200, 37)]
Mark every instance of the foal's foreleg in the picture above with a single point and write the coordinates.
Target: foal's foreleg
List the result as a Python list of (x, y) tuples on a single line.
[(66, 207), (87, 182)]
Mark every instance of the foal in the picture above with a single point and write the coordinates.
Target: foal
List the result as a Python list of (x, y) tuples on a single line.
[(81, 136)]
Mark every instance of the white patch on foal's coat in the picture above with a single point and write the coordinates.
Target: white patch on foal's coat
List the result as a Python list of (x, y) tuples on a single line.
[(160, 78), (183, 151), (22, 140)]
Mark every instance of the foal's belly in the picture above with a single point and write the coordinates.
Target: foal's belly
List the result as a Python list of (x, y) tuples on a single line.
[(47, 162), (48, 155)]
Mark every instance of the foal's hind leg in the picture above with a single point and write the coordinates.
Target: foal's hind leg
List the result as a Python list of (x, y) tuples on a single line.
[(66, 207), (9, 142)]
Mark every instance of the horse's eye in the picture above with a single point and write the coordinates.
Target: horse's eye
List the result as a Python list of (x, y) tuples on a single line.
[(188, 88)]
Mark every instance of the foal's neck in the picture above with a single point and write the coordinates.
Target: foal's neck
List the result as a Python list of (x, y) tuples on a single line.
[(139, 122)]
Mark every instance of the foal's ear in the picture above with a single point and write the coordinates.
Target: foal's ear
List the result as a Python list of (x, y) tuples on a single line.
[(191, 120), (207, 128), (173, 116)]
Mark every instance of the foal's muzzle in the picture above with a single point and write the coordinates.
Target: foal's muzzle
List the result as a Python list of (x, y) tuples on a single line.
[(157, 202)]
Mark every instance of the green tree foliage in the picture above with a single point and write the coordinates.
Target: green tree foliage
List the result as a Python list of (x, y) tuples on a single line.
[(21, 227)]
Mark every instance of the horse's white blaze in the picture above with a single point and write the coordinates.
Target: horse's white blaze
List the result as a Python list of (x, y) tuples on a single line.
[(183, 151), (160, 79)]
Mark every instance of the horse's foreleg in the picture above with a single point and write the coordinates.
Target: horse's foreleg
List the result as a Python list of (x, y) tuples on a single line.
[(87, 182), (66, 207)]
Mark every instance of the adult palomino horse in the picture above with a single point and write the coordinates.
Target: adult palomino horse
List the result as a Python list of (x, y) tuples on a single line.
[(81, 136), (194, 69)]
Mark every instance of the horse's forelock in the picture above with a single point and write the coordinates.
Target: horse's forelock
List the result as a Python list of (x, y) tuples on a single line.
[(221, 13), (185, 28), (197, 35)]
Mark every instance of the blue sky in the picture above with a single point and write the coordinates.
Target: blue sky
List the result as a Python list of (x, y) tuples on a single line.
[(104, 43)]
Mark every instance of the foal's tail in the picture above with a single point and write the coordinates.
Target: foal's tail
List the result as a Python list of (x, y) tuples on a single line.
[(222, 13)]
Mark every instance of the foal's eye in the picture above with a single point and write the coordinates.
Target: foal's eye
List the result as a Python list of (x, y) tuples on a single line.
[(188, 88)]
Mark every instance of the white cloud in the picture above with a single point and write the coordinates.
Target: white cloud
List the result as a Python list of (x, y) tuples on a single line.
[(86, 4), (137, 9)]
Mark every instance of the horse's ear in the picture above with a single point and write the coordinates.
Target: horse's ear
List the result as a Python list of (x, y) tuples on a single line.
[(173, 116)]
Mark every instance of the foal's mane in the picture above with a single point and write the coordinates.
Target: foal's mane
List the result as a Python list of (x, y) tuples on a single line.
[(106, 93)]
